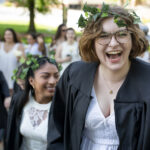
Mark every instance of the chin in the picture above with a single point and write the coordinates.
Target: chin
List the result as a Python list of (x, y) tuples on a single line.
[(115, 67)]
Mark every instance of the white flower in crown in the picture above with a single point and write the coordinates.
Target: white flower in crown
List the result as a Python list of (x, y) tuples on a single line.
[(17, 53)]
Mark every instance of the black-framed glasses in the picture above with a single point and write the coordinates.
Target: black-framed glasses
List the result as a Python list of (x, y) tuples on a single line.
[(121, 36)]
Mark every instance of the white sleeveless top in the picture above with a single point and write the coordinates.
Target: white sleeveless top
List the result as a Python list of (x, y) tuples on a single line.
[(34, 125), (69, 49), (8, 62), (99, 132)]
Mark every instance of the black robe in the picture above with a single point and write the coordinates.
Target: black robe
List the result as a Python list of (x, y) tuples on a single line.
[(72, 98), (71, 101), (4, 92)]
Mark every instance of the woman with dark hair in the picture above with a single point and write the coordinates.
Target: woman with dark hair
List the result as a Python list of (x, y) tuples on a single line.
[(10, 52), (41, 44), (60, 37), (103, 102), (29, 110), (68, 51), (32, 45)]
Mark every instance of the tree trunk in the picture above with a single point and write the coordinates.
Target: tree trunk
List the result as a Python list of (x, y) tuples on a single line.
[(31, 5), (65, 12)]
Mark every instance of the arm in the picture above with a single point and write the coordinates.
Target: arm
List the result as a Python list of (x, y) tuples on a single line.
[(58, 57), (57, 115)]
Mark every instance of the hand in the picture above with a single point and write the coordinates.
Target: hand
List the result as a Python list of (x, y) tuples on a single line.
[(7, 101), (68, 58)]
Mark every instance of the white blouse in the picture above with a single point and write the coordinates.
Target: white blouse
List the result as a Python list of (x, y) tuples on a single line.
[(34, 125), (99, 132)]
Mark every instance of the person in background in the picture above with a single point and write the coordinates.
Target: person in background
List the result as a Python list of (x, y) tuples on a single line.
[(146, 55), (68, 51), (60, 37), (32, 46), (10, 52), (103, 102), (41, 44), (29, 111), (4, 97)]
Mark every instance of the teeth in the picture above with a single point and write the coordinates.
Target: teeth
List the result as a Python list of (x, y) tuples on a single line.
[(113, 52)]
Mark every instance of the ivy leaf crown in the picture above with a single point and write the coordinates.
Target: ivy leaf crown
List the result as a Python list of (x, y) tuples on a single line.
[(31, 61), (25, 65), (92, 14)]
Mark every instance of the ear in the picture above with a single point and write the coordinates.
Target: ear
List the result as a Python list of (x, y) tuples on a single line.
[(31, 81)]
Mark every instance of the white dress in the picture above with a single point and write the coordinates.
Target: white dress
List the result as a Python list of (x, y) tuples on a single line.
[(99, 132), (33, 49), (8, 62), (34, 125), (69, 49)]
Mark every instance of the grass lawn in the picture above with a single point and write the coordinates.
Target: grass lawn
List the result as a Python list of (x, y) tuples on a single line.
[(22, 28)]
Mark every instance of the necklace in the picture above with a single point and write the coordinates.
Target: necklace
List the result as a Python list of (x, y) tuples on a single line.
[(108, 87)]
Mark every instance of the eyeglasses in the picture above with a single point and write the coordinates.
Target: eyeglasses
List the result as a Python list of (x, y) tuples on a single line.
[(121, 36)]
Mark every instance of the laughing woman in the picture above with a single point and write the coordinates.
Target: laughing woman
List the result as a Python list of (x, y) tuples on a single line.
[(29, 111), (103, 103)]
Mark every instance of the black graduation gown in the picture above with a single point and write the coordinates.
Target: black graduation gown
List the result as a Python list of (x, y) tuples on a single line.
[(72, 98), (4, 92)]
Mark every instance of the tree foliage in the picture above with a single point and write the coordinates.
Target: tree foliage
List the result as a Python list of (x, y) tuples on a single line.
[(41, 6)]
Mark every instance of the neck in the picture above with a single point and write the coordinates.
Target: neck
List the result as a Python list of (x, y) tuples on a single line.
[(114, 76), (9, 43), (70, 42), (43, 100)]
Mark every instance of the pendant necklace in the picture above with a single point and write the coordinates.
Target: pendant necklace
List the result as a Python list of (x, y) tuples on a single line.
[(108, 87)]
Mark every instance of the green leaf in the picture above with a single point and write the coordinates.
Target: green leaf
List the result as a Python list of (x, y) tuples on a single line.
[(82, 21), (104, 14), (96, 16), (105, 8), (22, 60)]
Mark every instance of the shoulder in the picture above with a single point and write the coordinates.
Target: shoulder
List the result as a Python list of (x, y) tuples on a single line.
[(80, 70), (16, 98), (141, 67)]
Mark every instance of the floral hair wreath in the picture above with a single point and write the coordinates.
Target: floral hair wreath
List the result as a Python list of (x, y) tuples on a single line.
[(92, 13), (29, 62)]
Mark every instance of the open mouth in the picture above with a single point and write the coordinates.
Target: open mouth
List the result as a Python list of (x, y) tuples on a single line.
[(114, 56)]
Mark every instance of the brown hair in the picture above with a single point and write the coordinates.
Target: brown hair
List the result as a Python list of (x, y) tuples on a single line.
[(94, 28)]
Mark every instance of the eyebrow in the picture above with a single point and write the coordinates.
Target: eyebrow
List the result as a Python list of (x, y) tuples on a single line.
[(116, 31), (48, 72)]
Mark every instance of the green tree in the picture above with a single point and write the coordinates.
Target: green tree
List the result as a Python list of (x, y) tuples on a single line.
[(41, 6)]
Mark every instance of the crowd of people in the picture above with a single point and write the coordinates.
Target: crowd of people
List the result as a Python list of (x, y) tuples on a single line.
[(98, 100)]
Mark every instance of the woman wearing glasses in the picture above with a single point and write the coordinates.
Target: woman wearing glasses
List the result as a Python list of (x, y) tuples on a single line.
[(103, 103)]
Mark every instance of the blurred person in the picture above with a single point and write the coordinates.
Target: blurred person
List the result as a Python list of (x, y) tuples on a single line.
[(4, 97), (10, 52), (146, 55), (41, 44), (32, 45), (68, 51), (103, 102), (60, 37), (29, 112)]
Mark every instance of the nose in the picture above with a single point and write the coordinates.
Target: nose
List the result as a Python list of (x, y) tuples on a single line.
[(52, 80), (113, 42)]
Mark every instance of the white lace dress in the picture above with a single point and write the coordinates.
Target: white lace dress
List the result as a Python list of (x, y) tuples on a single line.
[(34, 125), (99, 132)]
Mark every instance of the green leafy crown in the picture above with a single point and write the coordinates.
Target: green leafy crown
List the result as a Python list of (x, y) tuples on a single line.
[(92, 13), (30, 59), (26, 64)]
